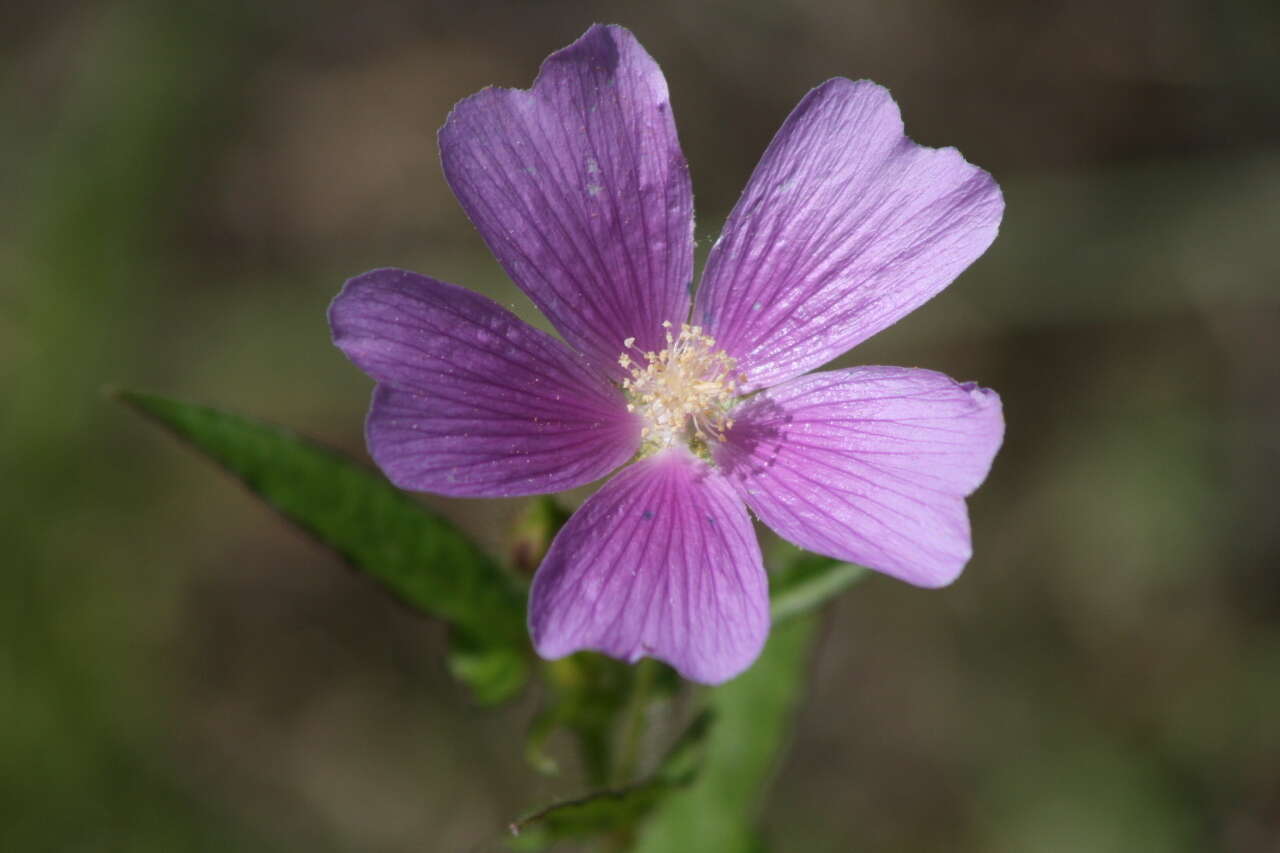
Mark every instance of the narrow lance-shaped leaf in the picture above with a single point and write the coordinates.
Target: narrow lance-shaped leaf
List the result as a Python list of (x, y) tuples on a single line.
[(422, 559)]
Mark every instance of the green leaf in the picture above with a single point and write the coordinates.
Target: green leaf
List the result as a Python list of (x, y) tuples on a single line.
[(422, 559), (616, 811), (808, 582), (495, 671), (753, 716)]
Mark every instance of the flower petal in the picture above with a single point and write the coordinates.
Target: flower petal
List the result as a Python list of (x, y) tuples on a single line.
[(472, 401), (580, 189), (845, 227), (869, 465), (661, 562)]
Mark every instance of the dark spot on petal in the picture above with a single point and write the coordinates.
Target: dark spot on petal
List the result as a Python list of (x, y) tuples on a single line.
[(647, 515)]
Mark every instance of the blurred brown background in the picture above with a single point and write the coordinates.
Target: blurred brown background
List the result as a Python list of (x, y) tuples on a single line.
[(186, 185)]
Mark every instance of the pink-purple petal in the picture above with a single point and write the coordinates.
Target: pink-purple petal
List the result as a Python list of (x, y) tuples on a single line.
[(845, 227), (580, 189), (662, 562), (870, 465), (471, 400)]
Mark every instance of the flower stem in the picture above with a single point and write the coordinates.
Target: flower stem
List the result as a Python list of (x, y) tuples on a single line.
[(634, 722)]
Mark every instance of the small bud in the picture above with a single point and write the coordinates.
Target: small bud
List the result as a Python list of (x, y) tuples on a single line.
[(534, 528)]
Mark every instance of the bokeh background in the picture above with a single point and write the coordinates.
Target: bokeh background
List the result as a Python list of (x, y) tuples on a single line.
[(185, 186)]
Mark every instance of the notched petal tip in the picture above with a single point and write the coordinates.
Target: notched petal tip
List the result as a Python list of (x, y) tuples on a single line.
[(871, 465), (876, 97), (579, 187), (349, 297), (601, 43), (845, 227)]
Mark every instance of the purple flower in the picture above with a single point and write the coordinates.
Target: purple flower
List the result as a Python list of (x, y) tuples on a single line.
[(580, 189)]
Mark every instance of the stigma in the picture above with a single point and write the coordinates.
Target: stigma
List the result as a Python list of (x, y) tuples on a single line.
[(685, 392)]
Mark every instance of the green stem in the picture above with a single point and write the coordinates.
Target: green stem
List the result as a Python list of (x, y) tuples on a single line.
[(634, 722)]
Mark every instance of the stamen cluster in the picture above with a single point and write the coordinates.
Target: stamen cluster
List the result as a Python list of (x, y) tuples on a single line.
[(685, 392)]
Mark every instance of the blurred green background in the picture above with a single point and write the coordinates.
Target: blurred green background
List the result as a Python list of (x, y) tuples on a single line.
[(185, 186)]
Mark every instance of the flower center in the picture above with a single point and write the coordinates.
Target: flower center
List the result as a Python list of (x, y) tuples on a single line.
[(683, 393)]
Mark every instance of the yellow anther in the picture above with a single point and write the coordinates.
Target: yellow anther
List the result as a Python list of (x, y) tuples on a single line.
[(684, 392)]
